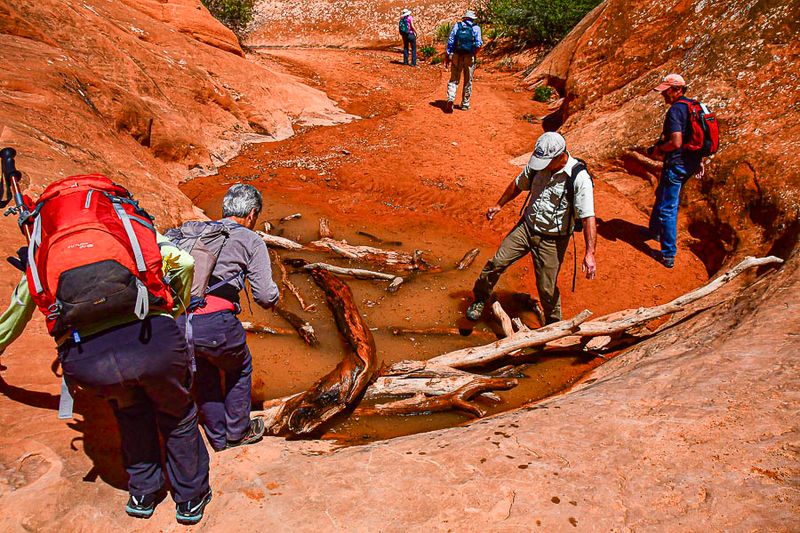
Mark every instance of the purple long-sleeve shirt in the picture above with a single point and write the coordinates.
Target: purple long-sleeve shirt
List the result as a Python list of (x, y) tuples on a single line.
[(245, 253)]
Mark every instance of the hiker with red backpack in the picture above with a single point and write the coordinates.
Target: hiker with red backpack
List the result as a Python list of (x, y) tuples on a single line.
[(227, 252), (98, 270), (462, 47), (409, 36), (689, 134), (560, 201)]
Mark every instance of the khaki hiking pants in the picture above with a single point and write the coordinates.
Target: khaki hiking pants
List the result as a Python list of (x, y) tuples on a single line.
[(461, 64), (547, 253)]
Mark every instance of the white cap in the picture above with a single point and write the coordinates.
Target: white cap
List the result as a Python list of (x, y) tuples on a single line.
[(548, 146)]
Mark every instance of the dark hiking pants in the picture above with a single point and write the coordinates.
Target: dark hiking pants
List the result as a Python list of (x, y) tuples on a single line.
[(223, 380), (547, 253), (409, 42), (142, 368)]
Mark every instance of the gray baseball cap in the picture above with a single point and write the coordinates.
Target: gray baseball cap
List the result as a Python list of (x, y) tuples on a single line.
[(548, 146)]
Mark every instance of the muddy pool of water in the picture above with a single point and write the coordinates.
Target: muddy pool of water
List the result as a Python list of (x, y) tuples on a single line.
[(284, 365)]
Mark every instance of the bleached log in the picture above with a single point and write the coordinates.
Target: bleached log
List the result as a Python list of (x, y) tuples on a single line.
[(468, 258), (505, 320), (519, 325), (458, 399), (291, 217), (388, 258), (621, 321), (359, 273), (481, 355), (252, 327), (279, 242)]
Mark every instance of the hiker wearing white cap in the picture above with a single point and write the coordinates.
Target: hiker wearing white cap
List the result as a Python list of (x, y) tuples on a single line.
[(680, 164), (409, 35), (462, 46), (560, 201)]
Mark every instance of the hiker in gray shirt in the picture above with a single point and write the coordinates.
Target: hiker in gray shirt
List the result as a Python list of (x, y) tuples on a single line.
[(561, 198), (219, 339)]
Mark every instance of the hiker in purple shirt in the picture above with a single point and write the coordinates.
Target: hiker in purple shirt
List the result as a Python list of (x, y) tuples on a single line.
[(409, 34), (220, 342)]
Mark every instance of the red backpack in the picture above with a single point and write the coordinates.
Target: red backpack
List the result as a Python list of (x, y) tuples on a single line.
[(705, 130), (93, 256)]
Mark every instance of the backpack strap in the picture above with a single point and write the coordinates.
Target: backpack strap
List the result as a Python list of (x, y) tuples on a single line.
[(126, 223), (36, 240)]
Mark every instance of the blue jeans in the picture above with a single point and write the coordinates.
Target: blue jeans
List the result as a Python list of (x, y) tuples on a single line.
[(410, 40), (664, 218), (142, 369), (223, 360)]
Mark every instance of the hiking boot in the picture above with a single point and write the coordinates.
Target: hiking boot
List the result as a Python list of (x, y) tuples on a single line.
[(254, 434), (668, 262), (191, 512), (448, 107), (141, 506), (464, 107), (475, 311)]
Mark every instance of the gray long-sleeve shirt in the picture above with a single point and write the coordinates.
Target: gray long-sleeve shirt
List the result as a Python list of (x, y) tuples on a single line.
[(244, 252)]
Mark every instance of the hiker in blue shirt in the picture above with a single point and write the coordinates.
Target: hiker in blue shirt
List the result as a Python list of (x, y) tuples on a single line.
[(462, 47), (679, 165)]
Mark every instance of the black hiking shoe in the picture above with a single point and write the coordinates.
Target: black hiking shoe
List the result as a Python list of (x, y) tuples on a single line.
[(668, 262), (475, 311), (254, 434), (141, 506), (191, 512), (448, 107)]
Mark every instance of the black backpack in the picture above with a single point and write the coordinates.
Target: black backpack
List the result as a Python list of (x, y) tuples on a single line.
[(465, 39)]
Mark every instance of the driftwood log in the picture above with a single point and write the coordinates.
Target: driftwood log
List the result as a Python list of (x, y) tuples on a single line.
[(252, 327), (279, 242), (303, 328), (303, 413), (468, 258), (325, 229), (358, 273), (397, 260), (287, 283)]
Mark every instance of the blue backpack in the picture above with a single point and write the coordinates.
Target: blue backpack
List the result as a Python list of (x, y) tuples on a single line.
[(465, 39), (403, 25)]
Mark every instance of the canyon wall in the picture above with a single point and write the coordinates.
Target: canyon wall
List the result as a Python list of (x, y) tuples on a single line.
[(741, 58)]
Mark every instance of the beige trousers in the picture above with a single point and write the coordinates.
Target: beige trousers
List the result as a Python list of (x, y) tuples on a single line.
[(462, 64), (547, 253)]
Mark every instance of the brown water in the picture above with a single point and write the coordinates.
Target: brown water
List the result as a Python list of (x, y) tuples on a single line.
[(284, 365)]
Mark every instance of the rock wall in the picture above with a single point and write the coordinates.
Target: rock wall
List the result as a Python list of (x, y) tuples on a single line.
[(145, 91), (742, 58), (355, 23)]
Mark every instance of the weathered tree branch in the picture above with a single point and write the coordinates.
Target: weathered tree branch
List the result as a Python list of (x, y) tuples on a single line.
[(279, 242), (388, 258), (359, 273), (325, 229), (468, 258), (303, 328), (481, 355), (302, 413)]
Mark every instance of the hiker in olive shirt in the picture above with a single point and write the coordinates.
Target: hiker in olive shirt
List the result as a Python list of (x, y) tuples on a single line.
[(142, 369), (546, 226)]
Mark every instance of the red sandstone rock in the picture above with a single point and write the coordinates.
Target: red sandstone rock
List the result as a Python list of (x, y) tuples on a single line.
[(742, 59)]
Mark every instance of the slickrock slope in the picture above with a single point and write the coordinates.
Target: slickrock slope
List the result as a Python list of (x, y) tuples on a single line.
[(141, 90), (358, 23), (740, 57)]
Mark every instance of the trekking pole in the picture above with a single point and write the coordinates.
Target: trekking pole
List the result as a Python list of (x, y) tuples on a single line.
[(10, 190)]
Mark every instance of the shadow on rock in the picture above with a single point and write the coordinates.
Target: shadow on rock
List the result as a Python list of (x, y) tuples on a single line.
[(98, 430)]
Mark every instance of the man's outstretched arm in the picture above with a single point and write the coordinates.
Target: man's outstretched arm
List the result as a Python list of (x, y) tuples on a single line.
[(590, 236), (511, 192)]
